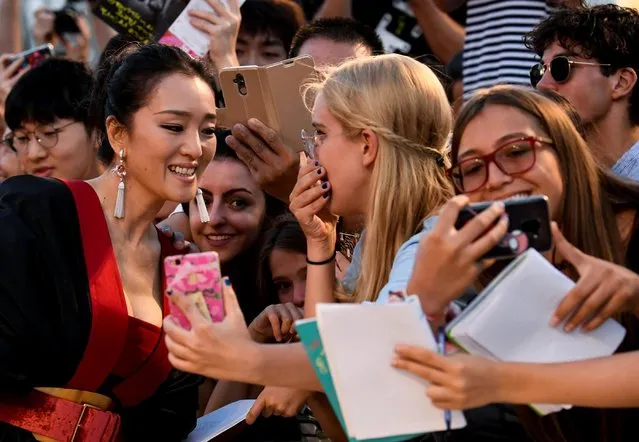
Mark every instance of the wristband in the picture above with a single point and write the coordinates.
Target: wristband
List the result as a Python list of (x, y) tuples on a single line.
[(321, 263)]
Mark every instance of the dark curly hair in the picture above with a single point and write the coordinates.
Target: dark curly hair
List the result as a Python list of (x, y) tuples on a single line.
[(608, 34)]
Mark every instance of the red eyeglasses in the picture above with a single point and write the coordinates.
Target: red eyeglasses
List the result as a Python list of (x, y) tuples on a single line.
[(512, 158)]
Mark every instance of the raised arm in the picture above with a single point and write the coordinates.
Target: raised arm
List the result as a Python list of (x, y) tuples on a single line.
[(611, 382), (444, 35), (309, 202), (463, 381), (449, 5)]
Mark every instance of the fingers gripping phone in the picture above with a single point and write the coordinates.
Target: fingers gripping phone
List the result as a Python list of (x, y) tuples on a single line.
[(197, 277), (528, 226), (34, 56)]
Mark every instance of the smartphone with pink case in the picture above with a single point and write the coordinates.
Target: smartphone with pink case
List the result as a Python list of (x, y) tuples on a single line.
[(196, 276)]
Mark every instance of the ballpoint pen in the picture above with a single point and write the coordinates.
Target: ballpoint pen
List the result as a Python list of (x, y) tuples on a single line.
[(441, 348)]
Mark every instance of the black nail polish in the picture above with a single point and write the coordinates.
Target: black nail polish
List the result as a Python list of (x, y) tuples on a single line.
[(319, 171), (316, 163), (325, 186)]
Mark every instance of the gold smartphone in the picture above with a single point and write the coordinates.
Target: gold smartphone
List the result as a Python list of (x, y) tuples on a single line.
[(272, 94)]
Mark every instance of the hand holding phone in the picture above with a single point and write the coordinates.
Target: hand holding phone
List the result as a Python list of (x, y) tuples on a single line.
[(197, 277), (454, 253), (528, 226), (33, 57)]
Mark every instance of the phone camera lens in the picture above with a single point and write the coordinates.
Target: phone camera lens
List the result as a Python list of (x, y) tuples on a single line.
[(241, 84), (531, 226)]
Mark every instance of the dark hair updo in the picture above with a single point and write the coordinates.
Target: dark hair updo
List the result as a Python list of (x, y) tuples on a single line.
[(125, 81), (57, 89)]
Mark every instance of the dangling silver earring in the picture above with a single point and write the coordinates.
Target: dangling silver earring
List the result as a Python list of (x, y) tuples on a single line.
[(120, 171), (201, 207)]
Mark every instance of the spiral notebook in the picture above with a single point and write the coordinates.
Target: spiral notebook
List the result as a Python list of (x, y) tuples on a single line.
[(509, 320)]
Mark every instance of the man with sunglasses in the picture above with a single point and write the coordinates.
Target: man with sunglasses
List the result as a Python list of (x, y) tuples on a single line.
[(591, 57)]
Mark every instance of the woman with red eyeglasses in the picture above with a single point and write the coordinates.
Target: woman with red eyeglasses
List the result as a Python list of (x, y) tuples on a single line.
[(510, 142)]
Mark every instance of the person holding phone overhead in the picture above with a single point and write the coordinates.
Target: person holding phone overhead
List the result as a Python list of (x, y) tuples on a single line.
[(330, 42), (81, 265), (596, 242)]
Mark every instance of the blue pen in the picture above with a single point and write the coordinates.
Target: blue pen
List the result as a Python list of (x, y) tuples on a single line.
[(441, 348)]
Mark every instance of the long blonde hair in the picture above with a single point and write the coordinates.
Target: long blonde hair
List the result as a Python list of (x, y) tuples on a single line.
[(404, 104)]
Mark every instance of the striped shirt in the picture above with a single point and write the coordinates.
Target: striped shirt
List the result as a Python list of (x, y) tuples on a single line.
[(494, 50)]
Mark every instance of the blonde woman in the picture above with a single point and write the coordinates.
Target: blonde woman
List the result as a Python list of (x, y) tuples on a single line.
[(382, 125)]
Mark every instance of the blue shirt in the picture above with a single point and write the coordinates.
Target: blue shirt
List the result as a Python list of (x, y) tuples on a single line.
[(402, 265), (404, 262), (628, 165)]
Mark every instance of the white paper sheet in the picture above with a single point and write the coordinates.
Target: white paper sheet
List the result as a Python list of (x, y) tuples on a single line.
[(185, 36), (378, 400), (213, 424), (514, 327)]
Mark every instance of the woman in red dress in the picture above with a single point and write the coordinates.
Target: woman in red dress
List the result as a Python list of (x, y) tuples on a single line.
[(82, 353)]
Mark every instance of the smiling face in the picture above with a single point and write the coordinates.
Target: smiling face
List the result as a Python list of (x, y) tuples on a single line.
[(493, 128), (236, 207), (288, 270), (170, 140), (587, 89), (342, 158)]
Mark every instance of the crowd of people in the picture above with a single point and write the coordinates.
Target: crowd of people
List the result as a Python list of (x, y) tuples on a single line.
[(111, 159)]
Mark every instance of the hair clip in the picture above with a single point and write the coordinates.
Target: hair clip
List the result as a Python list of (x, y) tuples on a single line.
[(440, 161)]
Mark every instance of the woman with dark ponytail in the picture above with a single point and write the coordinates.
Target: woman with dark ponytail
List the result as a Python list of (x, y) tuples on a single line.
[(82, 352)]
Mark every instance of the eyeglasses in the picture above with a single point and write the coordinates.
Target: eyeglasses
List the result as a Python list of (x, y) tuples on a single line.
[(512, 158), (560, 68), (46, 136), (309, 141)]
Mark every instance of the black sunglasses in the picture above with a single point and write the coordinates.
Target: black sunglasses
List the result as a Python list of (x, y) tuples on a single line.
[(560, 68)]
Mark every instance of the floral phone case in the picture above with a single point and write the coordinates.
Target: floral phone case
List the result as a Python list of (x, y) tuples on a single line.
[(196, 276)]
